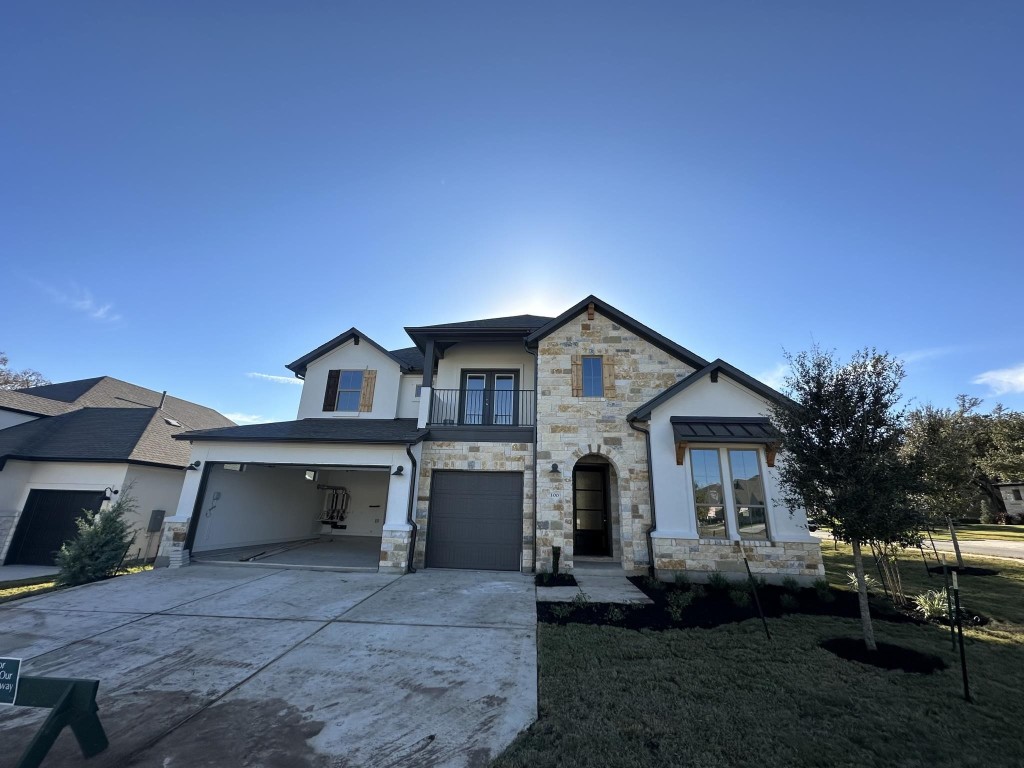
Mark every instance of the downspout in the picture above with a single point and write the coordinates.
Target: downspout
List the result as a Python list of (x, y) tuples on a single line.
[(650, 492), (411, 509), (536, 394)]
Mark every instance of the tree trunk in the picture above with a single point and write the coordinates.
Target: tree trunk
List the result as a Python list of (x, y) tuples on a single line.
[(862, 598), (994, 497), (956, 542)]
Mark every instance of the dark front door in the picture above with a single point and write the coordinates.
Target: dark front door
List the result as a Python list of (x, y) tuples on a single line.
[(590, 510), (47, 522), (475, 520)]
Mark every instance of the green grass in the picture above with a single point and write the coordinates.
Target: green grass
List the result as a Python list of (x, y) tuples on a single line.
[(999, 597), (981, 531), (728, 697)]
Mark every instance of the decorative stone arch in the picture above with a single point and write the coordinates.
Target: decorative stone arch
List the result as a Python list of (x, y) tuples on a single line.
[(618, 491)]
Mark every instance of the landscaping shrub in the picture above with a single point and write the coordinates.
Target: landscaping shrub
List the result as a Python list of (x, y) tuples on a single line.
[(717, 581), (824, 591), (869, 581), (788, 602), (98, 549), (933, 604), (740, 597), (682, 580), (677, 601), (790, 584)]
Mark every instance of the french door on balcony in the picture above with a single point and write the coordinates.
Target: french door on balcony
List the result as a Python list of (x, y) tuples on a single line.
[(489, 398)]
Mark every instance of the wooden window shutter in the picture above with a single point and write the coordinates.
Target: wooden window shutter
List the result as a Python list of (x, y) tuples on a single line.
[(577, 375), (366, 395), (331, 394), (608, 370)]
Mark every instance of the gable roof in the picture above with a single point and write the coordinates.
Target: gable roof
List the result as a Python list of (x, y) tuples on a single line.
[(130, 435), (298, 367), (514, 322), (320, 430), (108, 392), (513, 328), (620, 318), (411, 357), (643, 413)]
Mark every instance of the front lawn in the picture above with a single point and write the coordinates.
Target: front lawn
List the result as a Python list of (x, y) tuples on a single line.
[(726, 696), (981, 531)]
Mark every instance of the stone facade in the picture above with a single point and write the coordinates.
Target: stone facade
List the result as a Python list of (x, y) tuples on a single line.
[(774, 560), (570, 427), (394, 551), (481, 457)]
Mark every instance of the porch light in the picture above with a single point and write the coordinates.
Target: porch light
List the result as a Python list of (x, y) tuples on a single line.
[(398, 470), (554, 469), (108, 493)]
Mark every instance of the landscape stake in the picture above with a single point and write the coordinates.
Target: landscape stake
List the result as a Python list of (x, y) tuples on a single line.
[(960, 632), (949, 604), (753, 586)]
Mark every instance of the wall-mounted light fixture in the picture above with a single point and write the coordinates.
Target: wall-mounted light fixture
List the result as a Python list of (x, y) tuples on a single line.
[(554, 469), (109, 493), (194, 465), (398, 471)]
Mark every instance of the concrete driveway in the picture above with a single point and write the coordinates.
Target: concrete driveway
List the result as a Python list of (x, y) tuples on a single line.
[(215, 666)]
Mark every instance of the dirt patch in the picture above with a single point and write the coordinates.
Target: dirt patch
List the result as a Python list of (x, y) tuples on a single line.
[(888, 656), (270, 733), (555, 580)]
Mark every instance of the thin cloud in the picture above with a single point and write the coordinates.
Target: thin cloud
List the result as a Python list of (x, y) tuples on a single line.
[(275, 379), (919, 355), (1004, 380), (775, 377), (247, 418), (81, 300)]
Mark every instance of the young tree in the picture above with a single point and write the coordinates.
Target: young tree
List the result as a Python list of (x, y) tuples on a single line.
[(10, 379), (100, 546), (842, 433)]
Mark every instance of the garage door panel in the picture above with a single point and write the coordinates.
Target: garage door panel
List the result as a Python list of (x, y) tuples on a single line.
[(475, 520), (48, 520)]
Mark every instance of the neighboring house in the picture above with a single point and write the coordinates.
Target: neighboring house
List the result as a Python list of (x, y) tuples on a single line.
[(1013, 497), (492, 442), (76, 445)]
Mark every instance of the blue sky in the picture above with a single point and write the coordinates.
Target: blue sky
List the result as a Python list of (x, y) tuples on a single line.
[(193, 192)]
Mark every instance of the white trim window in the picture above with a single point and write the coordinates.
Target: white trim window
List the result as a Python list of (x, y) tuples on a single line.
[(744, 508)]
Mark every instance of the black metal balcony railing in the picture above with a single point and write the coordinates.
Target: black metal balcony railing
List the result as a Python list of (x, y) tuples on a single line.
[(482, 407)]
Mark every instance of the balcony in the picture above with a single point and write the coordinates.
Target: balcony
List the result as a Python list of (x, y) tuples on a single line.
[(481, 408)]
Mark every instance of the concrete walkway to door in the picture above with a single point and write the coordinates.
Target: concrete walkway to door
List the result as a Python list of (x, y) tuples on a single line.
[(214, 666)]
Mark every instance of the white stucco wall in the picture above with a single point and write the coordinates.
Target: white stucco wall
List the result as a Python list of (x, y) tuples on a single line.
[(19, 478), (368, 499), (408, 400), (504, 356), (352, 357), (10, 418), (673, 484), (152, 488)]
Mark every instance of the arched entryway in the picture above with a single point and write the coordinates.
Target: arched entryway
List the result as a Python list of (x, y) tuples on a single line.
[(595, 499)]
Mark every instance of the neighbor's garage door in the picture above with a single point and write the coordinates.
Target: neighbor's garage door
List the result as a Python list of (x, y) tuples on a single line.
[(476, 520), (47, 522)]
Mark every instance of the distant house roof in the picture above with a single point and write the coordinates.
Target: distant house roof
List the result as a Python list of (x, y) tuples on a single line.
[(23, 402), (371, 431), (513, 328), (108, 392), (620, 318), (643, 413), (722, 430), (130, 435), (298, 367)]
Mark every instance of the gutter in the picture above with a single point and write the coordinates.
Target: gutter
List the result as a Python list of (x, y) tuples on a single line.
[(410, 515), (536, 396), (650, 492)]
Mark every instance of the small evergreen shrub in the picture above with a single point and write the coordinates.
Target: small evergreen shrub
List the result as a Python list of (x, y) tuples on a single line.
[(740, 597), (97, 550), (677, 601), (790, 584), (614, 614), (682, 580), (824, 591), (718, 581), (788, 602), (698, 592)]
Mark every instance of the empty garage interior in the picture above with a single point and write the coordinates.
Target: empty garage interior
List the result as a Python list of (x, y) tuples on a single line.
[(304, 516)]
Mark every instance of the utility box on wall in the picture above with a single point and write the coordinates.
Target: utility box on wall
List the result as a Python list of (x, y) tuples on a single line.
[(156, 521)]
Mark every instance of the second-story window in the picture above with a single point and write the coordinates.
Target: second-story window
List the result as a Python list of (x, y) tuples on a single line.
[(350, 388), (350, 391), (593, 376)]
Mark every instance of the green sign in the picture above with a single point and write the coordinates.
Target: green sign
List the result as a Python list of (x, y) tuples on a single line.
[(9, 669)]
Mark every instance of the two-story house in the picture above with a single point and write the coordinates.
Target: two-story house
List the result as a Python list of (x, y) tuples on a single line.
[(490, 443)]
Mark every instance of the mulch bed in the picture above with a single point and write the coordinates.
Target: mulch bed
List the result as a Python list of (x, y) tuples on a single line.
[(711, 607), (888, 656), (967, 570), (555, 580)]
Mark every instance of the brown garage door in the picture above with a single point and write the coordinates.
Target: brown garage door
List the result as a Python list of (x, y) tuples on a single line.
[(47, 522), (476, 520)]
